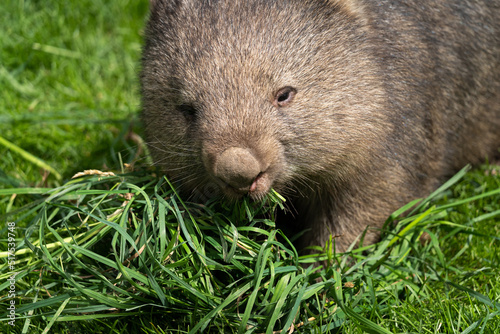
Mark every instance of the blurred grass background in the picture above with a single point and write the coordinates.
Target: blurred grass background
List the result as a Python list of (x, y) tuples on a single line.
[(69, 86)]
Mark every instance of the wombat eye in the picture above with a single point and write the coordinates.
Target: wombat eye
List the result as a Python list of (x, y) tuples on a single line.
[(284, 96), (188, 110)]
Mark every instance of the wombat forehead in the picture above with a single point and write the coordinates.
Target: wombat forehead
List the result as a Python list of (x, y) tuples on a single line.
[(236, 32), (244, 68), (223, 56), (230, 50), (234, 73)]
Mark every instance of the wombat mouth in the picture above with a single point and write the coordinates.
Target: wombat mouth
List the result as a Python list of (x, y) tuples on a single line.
[(256, 191), (260, 186)]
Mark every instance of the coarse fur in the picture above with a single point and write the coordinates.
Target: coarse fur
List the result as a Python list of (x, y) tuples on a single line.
[(349, 108)]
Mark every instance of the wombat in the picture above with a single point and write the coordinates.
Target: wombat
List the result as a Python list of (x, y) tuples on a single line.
[(348, 108)]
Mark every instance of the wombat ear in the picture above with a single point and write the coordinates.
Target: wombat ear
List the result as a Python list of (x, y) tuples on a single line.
[(166, 6), (157, 4), (166, 2), (154, 4), (353, 8)]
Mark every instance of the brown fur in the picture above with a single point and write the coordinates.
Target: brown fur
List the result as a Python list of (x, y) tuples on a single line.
[(349, 108)]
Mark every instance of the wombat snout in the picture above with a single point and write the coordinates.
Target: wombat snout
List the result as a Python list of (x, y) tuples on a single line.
[(238, 169)]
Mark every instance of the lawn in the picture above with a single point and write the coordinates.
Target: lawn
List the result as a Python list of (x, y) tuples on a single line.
[(124, 253)]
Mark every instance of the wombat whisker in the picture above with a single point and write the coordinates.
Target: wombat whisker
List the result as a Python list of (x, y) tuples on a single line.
[(188, 168), (167, 147), (186, 179), (187, 154), (307, 182)]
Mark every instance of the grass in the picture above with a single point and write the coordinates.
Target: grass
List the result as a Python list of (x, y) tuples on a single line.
[(69, 86), (125, 254)]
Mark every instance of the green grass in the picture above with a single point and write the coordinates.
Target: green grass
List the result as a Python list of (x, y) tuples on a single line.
[(125, 254), (68, 72)]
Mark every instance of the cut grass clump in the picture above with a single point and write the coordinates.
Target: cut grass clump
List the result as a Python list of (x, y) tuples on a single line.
[(126, 253)]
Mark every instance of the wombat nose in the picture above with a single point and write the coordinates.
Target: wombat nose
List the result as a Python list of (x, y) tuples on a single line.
[(237, 167)]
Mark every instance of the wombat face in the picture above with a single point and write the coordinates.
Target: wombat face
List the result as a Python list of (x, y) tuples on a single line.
[(243, 96)]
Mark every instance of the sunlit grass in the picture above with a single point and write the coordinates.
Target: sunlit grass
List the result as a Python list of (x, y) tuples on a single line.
[(127, 250)]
